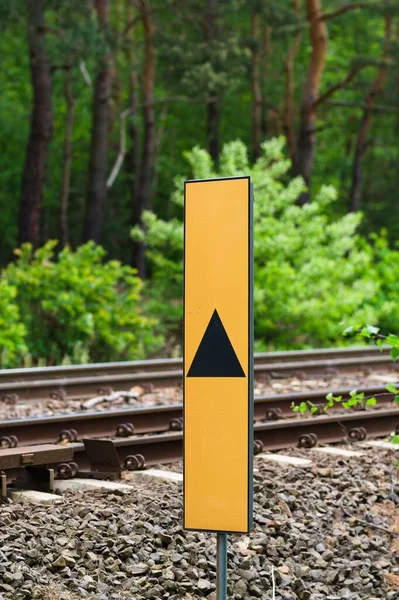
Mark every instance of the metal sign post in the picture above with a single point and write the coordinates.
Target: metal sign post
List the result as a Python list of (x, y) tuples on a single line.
[(221, 566), (218, 360)]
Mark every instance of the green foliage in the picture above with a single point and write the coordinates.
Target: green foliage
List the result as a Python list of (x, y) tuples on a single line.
[(311, 272), (304, 407), (77, 304), (204, 63), (190, 70), (373, 333), (12, 331), (164, 291), (356, 398), (387, 271)]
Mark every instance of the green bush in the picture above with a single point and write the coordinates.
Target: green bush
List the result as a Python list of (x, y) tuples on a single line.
[(387, 273), (76, 300), (312, 273), (12, 331)]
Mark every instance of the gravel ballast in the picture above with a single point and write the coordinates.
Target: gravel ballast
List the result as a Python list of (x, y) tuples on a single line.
[(330, 531)]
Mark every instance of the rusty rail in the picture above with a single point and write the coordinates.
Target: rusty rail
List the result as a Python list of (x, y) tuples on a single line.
[(144, 420), (277, 435), (175, 364), (84, 387), (108, 457)]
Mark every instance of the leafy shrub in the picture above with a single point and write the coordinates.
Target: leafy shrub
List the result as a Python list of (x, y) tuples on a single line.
[(356, 399), (387, 273), (311, 273), (12, 331), (78, 301), (164, 290)]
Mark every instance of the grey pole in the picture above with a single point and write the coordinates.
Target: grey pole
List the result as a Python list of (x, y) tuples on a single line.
[(221, 567)]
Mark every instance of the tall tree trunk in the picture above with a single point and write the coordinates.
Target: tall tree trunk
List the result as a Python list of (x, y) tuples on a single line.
[(255, 87), (213, 127), (133, 162), (213, 103), (41, 127), (97, 180), (67, 157), (365, 124), (265, 73), (288, 110), (133, 157), (306, 144), (134, 154), (148, 150), (159, 140)]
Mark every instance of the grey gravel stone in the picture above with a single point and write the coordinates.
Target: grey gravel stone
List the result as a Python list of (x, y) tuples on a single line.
[(204, 584), (107, 546)]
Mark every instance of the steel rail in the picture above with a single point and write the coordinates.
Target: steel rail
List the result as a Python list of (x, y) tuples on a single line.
[(174, 364), (84, 387), (146, 450), (277, 435), (155, 419)]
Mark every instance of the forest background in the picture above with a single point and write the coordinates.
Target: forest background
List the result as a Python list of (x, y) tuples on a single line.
[(107, 105)]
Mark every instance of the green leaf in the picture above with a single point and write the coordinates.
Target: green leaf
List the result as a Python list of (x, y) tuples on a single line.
[(352, 402), (371, 401), (394, 353), (391, 388), (331, 399), (372, 330), (313, 409), (303, 407), (349, 330), (396, 398), (353, 393), (392, 340)]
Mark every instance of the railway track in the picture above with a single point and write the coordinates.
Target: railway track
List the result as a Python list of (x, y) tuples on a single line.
[(174, 364), (84, 381), (108, 457), (104, 443), (275, 435), (121, 423)]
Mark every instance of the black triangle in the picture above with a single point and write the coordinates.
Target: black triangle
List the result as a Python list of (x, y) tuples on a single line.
[(215, 356)]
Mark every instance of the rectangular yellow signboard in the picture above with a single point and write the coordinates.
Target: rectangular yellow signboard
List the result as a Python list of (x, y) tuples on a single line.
[(218, 355)]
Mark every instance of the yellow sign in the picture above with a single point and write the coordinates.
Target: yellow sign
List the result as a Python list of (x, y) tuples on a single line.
[(218, 384)]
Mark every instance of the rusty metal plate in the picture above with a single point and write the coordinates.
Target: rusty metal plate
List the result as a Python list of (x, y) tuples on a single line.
[(11, 458), (27, 459), (103, 457)]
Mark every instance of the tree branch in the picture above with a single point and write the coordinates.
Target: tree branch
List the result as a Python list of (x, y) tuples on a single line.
[(122, 140), (377, 108), (122, 150), (344, 9), (368, 523), (129, 26), (341, 84), (53, 30), (154, 11), (85, 73)]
